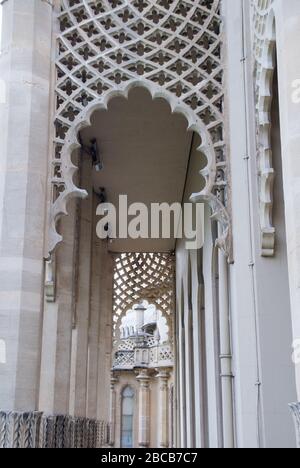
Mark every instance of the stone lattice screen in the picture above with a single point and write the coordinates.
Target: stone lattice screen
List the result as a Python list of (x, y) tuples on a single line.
[(171, 47), (143, 276), (174, 44)]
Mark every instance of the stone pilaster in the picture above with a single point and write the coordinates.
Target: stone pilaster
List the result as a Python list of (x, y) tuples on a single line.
[(113, 406), (25, 70), (144, 409), (163, 405), (83, 301)]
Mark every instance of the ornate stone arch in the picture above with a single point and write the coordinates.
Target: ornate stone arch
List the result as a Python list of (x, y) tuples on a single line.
[(265, 63), (170, 47), (128, 384)]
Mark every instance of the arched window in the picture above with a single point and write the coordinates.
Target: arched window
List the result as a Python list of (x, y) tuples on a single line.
[(127, 418)]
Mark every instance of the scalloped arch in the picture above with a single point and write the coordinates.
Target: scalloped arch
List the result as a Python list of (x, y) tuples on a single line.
[(173, 48), (68, 169), (117, 324)]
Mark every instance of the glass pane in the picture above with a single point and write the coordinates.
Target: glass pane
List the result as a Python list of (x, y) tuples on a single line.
[(127, 418), (127, 439), (128, 406), (127, 423), (128, 392)]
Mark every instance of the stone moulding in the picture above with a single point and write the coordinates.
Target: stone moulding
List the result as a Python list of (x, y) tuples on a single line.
[(172, 48), (264, 44), (38, 430)]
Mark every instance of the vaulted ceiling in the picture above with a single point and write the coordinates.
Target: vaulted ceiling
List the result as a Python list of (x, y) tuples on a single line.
[(146, 152)]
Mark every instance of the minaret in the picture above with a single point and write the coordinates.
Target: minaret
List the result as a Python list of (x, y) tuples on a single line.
[(140, 317)]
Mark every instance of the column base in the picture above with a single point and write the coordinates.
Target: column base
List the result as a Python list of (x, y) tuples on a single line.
[(38, 430), (295, 408)]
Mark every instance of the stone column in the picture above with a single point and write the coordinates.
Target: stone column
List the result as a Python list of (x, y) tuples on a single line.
[(105, 331), (94, 321), (144, 409), (79, 379), (25, 70), (288, 60), (113, 406), (163, 404)]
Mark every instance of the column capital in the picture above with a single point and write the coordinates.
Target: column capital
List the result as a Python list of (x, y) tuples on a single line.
[(114, 379), (163, 373), (143, 378)]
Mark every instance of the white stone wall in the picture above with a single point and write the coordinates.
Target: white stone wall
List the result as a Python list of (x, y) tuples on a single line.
[(287, 34), (261, 325), (24, 143)]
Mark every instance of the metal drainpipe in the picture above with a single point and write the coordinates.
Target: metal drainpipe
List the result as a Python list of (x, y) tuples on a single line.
[(225, 354), (247, 157)]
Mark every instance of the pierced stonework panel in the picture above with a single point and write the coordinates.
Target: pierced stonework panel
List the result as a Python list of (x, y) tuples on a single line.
[(147, 280), (174, 44), (143, 276), (264, 44), (171, 47)]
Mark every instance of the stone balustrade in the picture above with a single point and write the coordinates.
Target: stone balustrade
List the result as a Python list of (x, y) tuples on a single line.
[(38, 430)]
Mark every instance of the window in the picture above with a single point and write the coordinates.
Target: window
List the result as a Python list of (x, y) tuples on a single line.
[(127, 418)]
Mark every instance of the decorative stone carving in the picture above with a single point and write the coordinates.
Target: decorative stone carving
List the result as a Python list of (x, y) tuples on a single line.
[(19, 430), (170, 47), (156, 356), (265, 61), (37, 430), (295, 407)]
